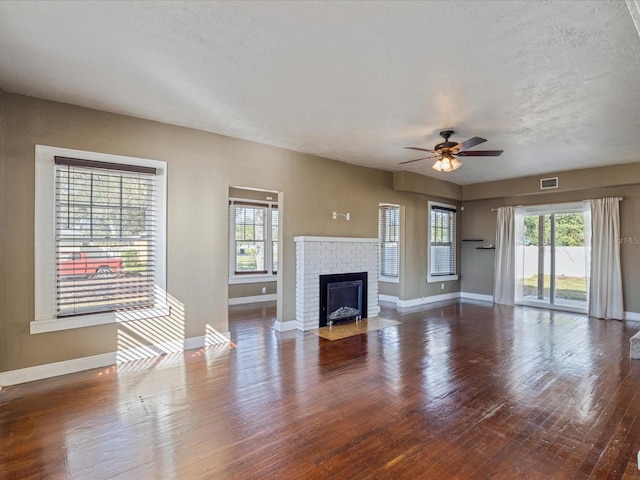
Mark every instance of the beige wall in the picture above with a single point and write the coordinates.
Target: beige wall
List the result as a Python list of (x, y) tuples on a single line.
[(201, 168), (568, 181), (416, 183), (239, 290)]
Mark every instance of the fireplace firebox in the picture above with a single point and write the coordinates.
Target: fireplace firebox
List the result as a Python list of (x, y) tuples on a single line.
[(343, 297)]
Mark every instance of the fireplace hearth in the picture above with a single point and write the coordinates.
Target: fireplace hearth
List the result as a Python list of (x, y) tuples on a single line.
[(341, 297)]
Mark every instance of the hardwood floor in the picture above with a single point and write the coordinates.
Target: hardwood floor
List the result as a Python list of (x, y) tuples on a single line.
[(462, 390)]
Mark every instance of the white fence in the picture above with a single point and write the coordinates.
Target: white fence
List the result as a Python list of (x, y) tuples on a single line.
[(570, 261)]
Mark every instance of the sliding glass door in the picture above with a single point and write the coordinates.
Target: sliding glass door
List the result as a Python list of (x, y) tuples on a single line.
[(552, 257)]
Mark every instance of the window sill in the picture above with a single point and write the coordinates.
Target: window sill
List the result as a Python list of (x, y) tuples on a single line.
[(442, 278), (252, 279), (389, 279), (68, 323)]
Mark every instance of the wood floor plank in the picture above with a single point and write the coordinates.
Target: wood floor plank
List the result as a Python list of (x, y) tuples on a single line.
[(457, 390)]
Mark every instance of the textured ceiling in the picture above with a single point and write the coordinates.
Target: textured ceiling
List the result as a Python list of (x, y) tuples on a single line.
[(554, 84)]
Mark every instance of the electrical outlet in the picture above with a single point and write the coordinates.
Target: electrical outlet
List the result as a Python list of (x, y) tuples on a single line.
[(264, 289), (442, 286)]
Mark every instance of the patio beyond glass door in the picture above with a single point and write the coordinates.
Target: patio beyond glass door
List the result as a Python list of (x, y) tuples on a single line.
[(553, 260)]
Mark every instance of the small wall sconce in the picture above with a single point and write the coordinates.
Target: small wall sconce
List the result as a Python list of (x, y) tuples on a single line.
[(347, 216)]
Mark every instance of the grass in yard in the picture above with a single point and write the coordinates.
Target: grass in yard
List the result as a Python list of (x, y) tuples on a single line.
[(568, 288), (247, 263)]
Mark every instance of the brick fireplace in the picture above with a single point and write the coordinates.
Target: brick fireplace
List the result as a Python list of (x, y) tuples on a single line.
[(317, 256)]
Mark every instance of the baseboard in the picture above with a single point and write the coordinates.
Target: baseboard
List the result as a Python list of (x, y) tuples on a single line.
[(286, 326), (476, 296), (40, 372), (632, 316), (267, 297), (414, 302), (388, 298)]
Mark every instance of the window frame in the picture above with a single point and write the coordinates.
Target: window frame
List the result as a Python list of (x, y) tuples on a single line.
[(45, 318), (382, 277), (252, 277), (442, 278)]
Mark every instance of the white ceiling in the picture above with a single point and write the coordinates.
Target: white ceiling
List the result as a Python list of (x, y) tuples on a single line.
[(555, 84)]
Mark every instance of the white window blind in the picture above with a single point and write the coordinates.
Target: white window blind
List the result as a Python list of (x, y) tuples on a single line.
[(442, 238), (274, 239), (105, 236), (389, 234)]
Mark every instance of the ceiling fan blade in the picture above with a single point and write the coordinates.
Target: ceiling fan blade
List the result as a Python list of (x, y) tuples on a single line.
[(419, 149), (411, 161), (480, 153), (472, 142)]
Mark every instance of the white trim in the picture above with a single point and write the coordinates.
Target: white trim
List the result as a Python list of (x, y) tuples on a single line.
[(438, 298), (561, 308), (476, 296), (553, 185), (66, 323), (271, 203), (388, 298), (286, 326), (336, 239), (198, 342), (389, 279), (635, 316), (441, 278), (414, 302), (235, 278), (253, 299), (40, 372), (240, 279)]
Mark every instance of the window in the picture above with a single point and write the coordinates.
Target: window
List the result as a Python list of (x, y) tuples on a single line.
[(552, 255), (100, 251), (253, 237), (389, 234), (442, 243)]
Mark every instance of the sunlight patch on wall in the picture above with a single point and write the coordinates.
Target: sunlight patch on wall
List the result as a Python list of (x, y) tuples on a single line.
[(146, 338)]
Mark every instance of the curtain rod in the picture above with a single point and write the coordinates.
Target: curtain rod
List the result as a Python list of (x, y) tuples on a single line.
[(519, 206)]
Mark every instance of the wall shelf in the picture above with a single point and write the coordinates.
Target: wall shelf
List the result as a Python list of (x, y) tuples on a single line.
[(472, 240), (485, 248)]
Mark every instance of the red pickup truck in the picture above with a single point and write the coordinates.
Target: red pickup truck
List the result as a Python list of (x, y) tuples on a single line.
[(92, 264)]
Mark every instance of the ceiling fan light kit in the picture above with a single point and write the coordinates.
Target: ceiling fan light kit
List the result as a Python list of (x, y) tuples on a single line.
[(446, 151), (447, 163)]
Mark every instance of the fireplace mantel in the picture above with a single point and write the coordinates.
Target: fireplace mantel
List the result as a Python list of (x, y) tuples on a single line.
[(317, 256), (335, 239)]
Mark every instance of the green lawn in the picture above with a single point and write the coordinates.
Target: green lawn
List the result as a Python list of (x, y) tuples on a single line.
[(247, 263), (568, 288)]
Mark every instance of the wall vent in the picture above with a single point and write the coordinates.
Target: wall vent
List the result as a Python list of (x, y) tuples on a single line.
[(546, 183)]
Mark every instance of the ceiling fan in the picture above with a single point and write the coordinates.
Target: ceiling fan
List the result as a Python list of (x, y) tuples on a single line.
[(446, 152)]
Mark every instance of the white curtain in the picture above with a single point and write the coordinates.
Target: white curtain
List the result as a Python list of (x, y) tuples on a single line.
[(586, 215), (605, 289), (504, 276)]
